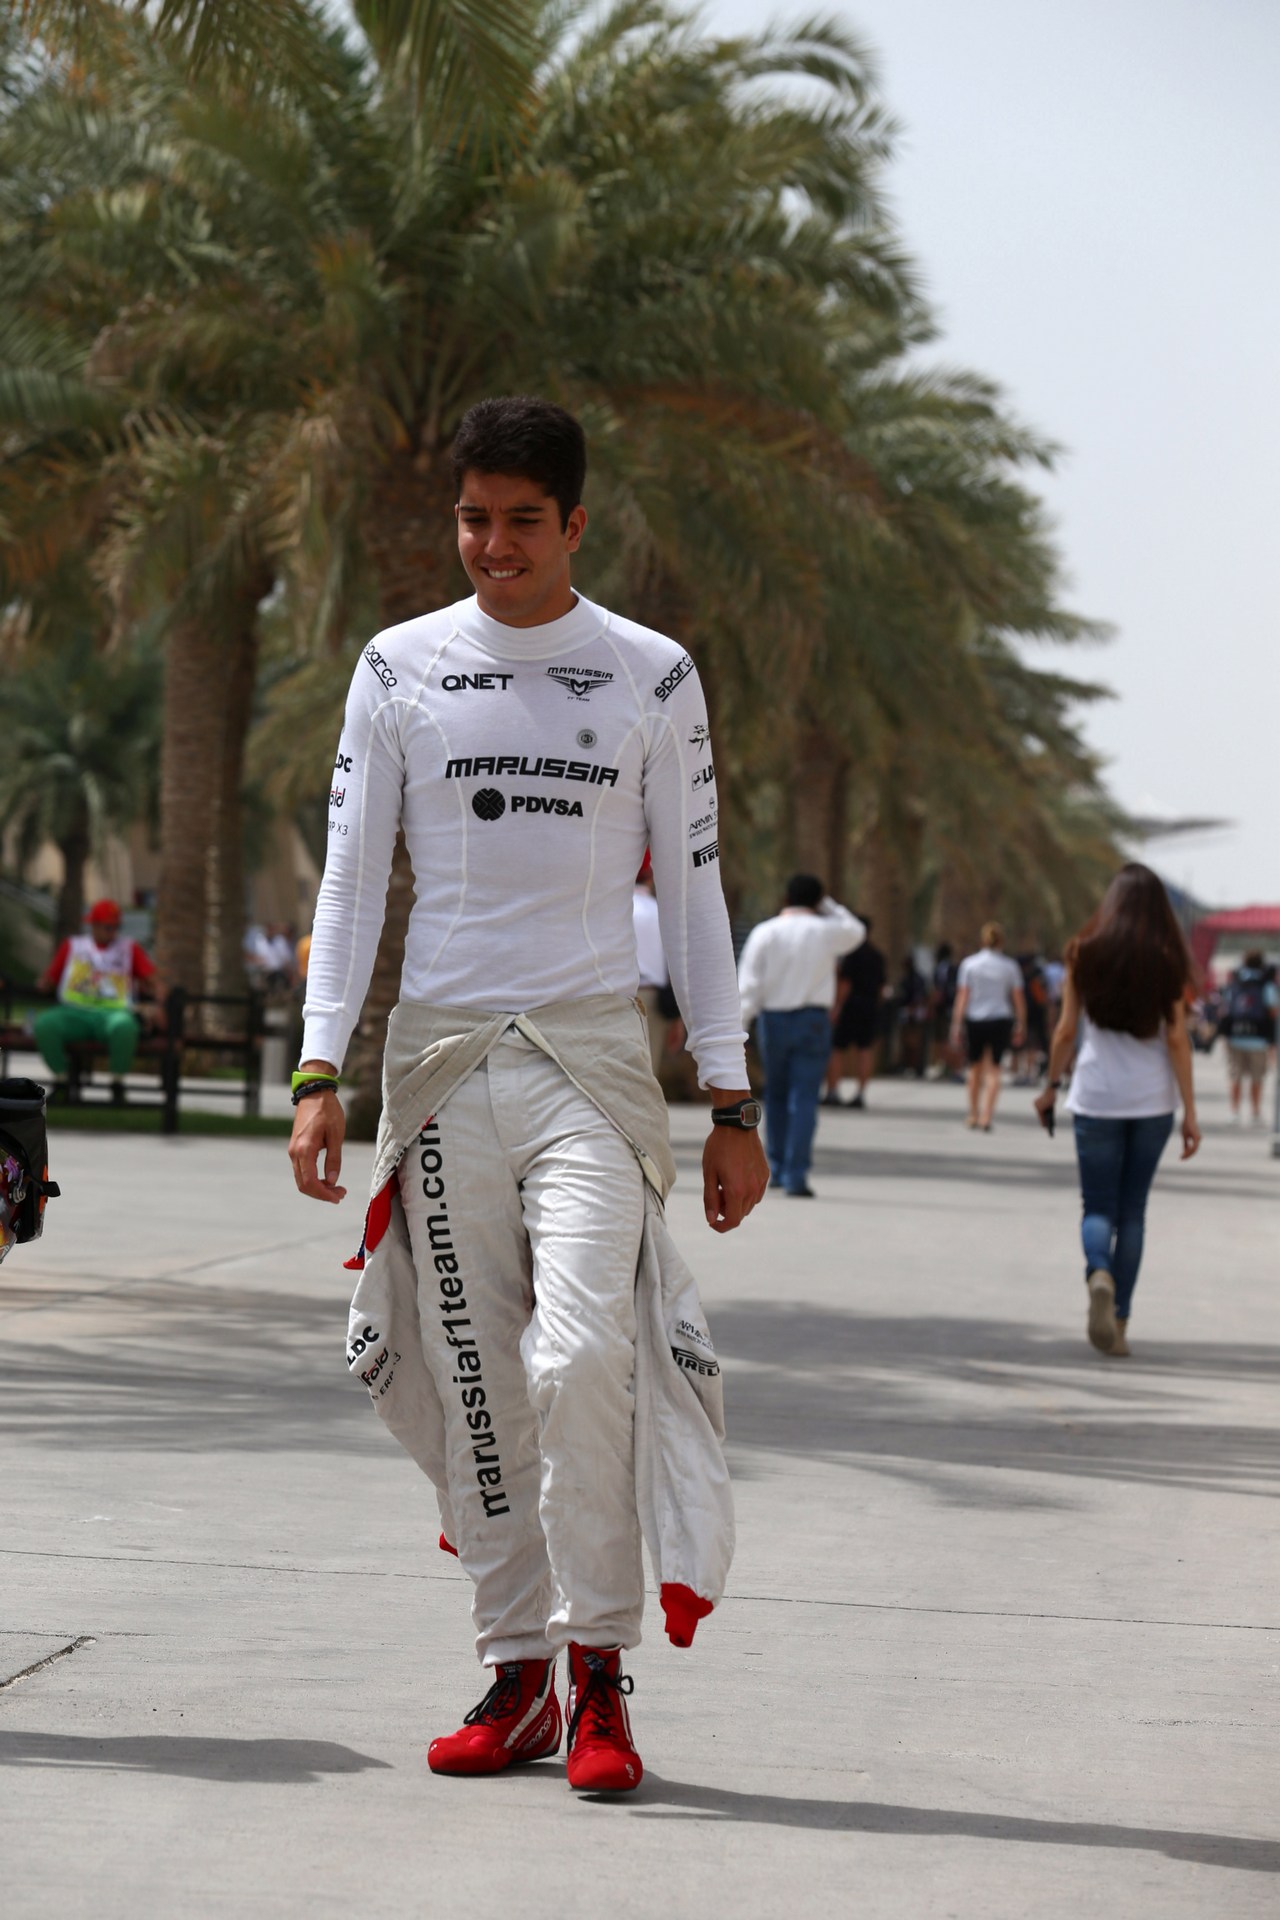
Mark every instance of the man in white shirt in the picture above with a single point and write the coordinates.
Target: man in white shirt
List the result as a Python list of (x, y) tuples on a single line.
[(786, 976), (531, 745)]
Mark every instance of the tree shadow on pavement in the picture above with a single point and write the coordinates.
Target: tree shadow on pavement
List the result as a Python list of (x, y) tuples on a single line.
[(191, 1369), (254, 1762), (871, 1816), (920, 1396)]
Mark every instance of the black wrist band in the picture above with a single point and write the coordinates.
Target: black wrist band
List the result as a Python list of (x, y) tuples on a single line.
[(313, 1086)]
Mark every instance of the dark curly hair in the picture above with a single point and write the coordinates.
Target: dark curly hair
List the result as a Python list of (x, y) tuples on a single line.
[(533, 438), (1130, 961)]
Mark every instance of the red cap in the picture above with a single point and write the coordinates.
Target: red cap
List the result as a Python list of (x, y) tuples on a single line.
[(104, 913)]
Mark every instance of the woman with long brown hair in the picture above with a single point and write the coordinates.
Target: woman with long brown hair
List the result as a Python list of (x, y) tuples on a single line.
[(1124, 1018)]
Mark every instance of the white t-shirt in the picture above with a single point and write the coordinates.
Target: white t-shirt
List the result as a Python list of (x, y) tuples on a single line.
[(992, 979), (530, 768), (789, 962), (1119, 1077)]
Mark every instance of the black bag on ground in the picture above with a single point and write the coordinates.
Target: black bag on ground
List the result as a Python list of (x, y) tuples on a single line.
[(24, 1138)]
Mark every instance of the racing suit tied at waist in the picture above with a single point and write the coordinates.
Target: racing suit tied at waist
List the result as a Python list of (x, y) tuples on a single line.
[(682, 1483)]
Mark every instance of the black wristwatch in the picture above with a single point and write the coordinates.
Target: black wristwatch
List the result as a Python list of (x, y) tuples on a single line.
[(746, 1114)]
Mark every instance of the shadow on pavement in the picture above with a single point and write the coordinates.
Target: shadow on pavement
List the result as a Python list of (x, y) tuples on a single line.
[(255, 1762), (982, 1170), (194, 1369), (870, 1816), (944, 1392)]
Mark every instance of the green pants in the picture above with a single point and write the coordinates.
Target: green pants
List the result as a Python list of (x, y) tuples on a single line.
[(114, 1028)]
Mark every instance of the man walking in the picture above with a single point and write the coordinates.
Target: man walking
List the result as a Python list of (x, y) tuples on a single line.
[(531, 745), (1249, 1027), (859, 1017), (786, 975)]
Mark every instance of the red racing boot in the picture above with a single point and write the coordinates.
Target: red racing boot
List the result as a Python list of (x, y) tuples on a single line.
[(518, 1720), (601, 1756)]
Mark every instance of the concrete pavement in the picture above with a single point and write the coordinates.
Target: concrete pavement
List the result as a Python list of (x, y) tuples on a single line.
[(1003, 1630)]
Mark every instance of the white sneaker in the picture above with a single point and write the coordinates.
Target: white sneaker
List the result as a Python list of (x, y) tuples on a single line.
[(1101, 1325)]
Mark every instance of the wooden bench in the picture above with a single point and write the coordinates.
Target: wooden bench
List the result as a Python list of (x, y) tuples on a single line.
[(169, 1049)]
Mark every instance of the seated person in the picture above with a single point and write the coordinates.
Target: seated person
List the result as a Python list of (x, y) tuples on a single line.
[(96, 975)]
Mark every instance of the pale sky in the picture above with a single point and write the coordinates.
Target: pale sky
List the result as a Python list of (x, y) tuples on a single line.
[(1092, 190)]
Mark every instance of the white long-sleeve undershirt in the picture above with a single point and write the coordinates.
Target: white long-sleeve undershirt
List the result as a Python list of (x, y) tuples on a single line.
[(529, 767)]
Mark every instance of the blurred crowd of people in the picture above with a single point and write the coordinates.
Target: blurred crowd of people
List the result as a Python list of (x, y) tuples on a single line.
[(275, 959), (1114, 1021)]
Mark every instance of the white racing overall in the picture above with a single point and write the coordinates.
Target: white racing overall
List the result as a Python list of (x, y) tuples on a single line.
[(530, 768), (528, 1332)]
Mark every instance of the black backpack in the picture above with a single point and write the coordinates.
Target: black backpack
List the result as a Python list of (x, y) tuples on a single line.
[(1248, 1015), (24, 1138)]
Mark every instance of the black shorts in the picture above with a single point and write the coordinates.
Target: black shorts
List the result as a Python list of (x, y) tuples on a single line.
[(987, 1036), (857, 1023)]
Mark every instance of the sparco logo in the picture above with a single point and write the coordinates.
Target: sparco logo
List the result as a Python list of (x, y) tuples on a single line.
[(488, 804), (482, 682), (705, 777), (539, 768), (703, 856), (581, 683), (380, 666), (683, 667)]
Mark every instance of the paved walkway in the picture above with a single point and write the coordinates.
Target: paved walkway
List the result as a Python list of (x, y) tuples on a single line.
[(1004, 1625)]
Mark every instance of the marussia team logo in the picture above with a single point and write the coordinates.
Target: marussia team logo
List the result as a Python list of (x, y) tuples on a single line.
[(581, 683), (700, 736)]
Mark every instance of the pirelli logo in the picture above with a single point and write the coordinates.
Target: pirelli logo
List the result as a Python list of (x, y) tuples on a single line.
[(695, 1362), (703, 856)]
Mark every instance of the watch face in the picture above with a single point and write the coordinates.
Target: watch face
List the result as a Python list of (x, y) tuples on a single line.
[(751, 1113)]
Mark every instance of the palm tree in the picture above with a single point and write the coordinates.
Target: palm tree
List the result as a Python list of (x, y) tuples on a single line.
[(197, 512), (81, 733), (294, 287), (351, 287)]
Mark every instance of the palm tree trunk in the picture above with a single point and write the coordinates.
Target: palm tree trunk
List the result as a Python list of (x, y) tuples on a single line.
[(408, 538), (820, 805), (228, 901), (190, 790), (891, 859), (74, 848)]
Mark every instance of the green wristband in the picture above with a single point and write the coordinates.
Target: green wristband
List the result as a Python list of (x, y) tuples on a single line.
[(313, 1080)]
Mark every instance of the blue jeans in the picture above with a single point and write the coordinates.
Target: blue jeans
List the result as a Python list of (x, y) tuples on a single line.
[(795, 1047), (1118, 1160)]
